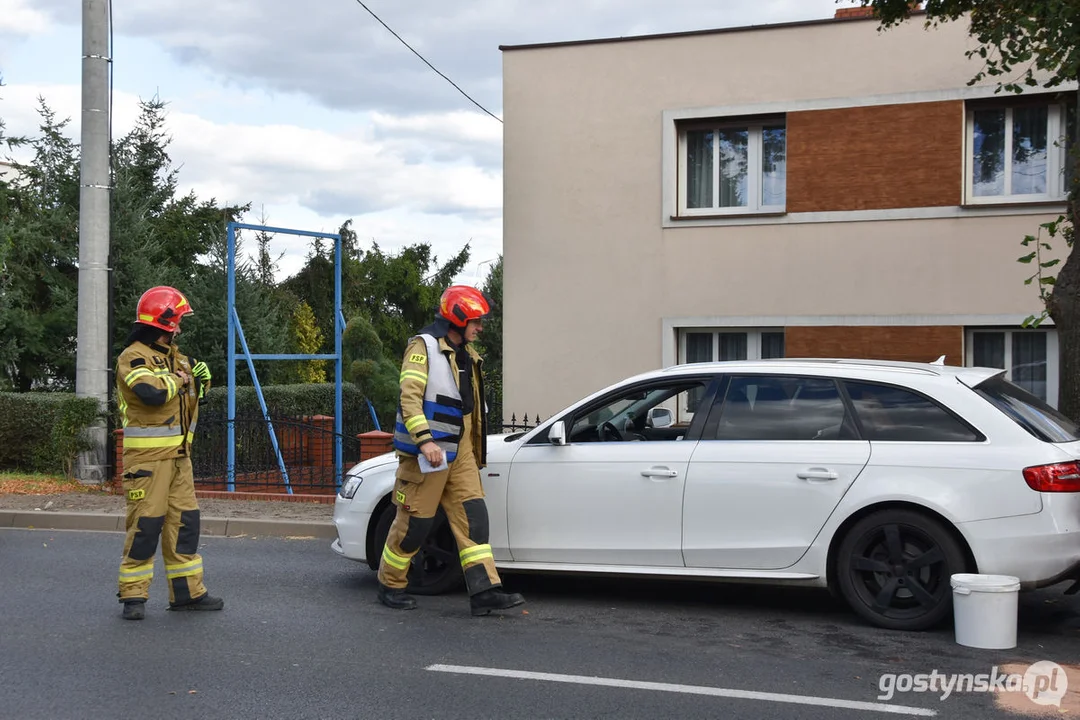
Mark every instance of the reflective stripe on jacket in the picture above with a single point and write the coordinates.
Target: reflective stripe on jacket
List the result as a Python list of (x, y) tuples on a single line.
[(439, 415), (157, 413)]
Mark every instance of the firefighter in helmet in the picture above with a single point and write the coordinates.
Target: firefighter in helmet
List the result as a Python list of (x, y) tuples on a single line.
[(158, 390), (440, 439)]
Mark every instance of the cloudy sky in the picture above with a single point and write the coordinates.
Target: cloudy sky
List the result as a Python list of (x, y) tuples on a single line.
[(314, 113)]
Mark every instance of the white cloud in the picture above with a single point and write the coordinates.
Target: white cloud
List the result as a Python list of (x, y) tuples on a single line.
[(441, 137), (316, 117), (18, 18), (330, 173), (315, 179), (391, 230), (18, 21), (342, 58)]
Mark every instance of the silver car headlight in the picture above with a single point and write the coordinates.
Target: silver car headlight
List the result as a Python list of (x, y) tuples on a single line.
[(350, 487)]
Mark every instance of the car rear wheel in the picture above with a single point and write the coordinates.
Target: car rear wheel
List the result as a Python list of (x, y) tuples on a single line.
[(435, 568), (893, 569)]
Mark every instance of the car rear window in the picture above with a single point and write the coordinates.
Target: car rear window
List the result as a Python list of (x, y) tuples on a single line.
[(1028, 411), (890, 413)]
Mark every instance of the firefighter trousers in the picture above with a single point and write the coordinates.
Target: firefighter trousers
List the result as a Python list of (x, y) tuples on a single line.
[(161, 506), (418, 497)]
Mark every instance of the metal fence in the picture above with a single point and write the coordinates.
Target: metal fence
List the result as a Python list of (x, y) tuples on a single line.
[(306, 444), (307, 449), (519, 426)]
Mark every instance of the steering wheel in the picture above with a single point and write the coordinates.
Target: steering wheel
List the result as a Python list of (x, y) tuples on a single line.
[(609, 431)]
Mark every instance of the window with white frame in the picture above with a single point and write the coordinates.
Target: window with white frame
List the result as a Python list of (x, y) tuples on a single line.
[(732, 167), (698, 345), (1016, 153), (1029, 357)]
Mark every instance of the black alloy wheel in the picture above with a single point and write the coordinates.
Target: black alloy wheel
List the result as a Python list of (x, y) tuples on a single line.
[(436, 568), (893, 568)]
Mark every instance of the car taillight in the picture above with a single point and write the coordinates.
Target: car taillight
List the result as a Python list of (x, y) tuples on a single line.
[(1059, 477)]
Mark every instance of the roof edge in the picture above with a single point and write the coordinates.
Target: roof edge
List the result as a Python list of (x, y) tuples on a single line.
[(692, 33)]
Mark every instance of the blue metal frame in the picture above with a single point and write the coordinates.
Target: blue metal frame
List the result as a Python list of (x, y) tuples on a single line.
[(235, 329)]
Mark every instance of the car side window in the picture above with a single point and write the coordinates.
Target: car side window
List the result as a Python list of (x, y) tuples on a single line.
[(889, 413), (643, 413), (761, 407)]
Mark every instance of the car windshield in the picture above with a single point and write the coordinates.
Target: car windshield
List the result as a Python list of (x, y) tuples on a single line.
[(1029, 412)]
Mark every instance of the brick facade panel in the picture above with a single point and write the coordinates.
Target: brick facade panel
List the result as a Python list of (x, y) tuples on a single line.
[(875, 158), (901, 343)]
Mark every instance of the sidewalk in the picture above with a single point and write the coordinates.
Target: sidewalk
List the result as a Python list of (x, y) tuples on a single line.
[(223, 514)]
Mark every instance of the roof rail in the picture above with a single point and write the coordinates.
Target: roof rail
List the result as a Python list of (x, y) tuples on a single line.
[(896, 365), (906, 365)]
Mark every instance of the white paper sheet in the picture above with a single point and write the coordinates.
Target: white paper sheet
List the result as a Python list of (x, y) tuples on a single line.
[(427, 467)]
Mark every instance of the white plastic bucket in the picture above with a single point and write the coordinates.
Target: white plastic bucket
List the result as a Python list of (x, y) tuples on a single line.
[(985, 610)]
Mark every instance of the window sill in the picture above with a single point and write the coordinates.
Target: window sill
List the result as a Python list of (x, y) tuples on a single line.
[(729, 216), (950, 212), (1014, 203)]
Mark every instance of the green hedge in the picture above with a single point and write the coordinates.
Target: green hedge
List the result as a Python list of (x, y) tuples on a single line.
[(297, 401), (42, 432)]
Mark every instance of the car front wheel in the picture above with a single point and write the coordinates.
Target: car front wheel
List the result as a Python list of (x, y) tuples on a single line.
[(893, 568), (435, 568)]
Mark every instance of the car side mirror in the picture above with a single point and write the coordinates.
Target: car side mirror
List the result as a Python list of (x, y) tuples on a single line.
[(557, 433), (661, 418)]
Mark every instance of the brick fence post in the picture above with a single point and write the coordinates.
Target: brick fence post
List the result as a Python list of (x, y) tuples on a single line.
[(322, 450), (291, 442), (375, 443), (119, 433)]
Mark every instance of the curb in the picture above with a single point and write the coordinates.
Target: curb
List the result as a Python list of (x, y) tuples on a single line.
[(321, 498), (324, 499), (209, 526)]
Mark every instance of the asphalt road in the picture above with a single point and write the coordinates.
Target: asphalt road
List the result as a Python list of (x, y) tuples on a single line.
[(302, 636)]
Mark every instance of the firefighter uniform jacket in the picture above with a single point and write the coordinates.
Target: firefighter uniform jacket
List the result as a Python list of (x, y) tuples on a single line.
[(158, 413), (430, 407)]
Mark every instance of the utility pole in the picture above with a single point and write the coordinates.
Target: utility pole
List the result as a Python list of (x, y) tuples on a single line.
[(92, 356)]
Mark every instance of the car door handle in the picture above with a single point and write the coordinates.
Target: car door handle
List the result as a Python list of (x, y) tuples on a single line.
[(817, 474), (659, 472)]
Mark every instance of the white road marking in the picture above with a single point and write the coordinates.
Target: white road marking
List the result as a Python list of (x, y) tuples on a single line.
[(686, 689)]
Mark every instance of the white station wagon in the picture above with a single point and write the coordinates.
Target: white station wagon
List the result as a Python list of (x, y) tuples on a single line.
[(877, 480)]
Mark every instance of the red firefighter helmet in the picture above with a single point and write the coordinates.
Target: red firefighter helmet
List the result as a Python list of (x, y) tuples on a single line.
[(461, 303), (162, 307)]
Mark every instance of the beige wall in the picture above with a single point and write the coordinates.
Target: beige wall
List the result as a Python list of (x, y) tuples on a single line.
[(591, 272)]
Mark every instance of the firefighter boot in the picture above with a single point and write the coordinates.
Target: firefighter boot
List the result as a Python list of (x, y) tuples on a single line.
[(203, 602), (134, 609), (494, 599), (396, 599)]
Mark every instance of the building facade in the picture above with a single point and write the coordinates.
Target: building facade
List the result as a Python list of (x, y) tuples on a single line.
[(814, 189)]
